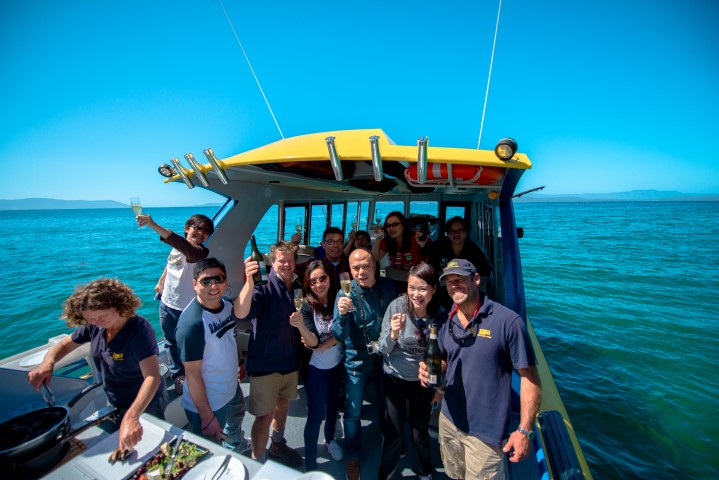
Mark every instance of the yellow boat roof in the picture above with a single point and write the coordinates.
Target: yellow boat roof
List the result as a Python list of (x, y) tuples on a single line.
[(354, 145)]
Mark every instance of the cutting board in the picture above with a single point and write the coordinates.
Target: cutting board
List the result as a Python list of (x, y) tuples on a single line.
[(94, 460)]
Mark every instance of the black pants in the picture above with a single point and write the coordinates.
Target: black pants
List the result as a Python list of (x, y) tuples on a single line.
[(404, 398)]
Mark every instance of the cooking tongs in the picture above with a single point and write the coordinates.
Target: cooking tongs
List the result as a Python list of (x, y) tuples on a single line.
[(47, 394)]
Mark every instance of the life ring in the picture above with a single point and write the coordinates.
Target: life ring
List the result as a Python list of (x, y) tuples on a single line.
[(462, 175)]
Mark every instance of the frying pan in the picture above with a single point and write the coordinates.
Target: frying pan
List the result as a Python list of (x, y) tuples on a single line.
[(41, 429)]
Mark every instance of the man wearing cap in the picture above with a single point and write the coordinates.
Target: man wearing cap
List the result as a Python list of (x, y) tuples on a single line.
[(482, 342)]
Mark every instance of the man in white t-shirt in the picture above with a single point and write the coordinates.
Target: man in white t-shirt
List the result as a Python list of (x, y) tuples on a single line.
[(213, 399)]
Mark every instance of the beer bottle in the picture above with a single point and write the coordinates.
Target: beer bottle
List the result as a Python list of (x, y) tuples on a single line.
[(260, 278), (433, 359)]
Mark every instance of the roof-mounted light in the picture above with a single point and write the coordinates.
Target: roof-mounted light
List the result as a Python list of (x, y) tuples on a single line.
[(506, 148), (166, 171)]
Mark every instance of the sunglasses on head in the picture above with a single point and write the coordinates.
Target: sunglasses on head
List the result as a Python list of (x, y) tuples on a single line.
[(218, 279), (318, 280)]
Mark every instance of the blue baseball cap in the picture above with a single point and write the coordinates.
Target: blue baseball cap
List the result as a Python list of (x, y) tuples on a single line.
[(458, 266)]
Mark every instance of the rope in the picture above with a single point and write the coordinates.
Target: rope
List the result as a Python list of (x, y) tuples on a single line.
[(251, 69), (491, 62)]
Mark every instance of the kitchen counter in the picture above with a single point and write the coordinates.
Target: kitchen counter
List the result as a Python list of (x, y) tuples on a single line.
[(92, 462)]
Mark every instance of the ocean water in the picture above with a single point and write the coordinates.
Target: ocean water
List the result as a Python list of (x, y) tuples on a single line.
[(622, 295)]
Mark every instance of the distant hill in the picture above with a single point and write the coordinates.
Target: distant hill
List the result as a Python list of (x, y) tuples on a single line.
[(631, 196), (53, 204)]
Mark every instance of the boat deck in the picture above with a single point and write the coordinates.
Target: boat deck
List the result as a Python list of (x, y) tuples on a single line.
[(371, 442)]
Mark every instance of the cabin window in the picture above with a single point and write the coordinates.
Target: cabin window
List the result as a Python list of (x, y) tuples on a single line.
[(357, 216), (295, 221), (319, 223), (339, 215), (266, 231), (383, 208)]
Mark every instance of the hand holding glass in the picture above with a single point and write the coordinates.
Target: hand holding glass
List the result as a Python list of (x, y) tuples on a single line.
[(136, 207), (346, 285), (298, 298)]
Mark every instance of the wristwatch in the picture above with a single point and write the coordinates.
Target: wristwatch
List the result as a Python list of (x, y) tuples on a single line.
[(527, 433)]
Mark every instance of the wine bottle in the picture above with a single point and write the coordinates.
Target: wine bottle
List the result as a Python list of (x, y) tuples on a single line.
[(433, 359), (260, 278)]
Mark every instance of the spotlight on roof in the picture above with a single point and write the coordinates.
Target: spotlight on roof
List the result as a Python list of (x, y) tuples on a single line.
[(166, 171), (506, 148)]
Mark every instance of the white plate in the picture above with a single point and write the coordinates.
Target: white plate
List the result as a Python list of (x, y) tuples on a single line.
[(206, 469)]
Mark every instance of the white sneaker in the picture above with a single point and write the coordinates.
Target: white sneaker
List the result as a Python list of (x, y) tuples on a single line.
[(428, 477), (335, 450)]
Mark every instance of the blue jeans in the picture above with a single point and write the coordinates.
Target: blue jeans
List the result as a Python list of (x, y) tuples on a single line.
[(231, 416), (355, 385), (168, 323), (322, 388)]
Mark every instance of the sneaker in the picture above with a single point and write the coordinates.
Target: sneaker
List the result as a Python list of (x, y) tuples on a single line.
[(352, 469), (284, 454), (425, 477), (179, 385), (335, 450), (247, 446)]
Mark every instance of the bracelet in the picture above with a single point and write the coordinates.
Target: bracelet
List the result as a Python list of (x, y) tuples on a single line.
[(208, 423)]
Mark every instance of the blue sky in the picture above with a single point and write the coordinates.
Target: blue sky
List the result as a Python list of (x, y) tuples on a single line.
[(603, 96)]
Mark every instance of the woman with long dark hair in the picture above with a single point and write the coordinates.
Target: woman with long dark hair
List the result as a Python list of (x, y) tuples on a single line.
[(324, 373), (403, 343)]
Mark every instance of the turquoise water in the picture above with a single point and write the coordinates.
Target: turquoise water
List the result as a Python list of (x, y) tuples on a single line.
[(622, 296)]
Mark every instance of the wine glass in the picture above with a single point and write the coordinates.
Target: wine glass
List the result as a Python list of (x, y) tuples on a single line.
[(346, 285), (378, 216), (136, 206), (298, 298)]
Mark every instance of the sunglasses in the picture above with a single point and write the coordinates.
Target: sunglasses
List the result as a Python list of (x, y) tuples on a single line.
[(467, 335), (200, 228), (318, 280), (218, 279), (393, 225)]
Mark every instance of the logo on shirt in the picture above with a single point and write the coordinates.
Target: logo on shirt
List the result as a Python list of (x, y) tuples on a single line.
[(219, 329), (118, 357)]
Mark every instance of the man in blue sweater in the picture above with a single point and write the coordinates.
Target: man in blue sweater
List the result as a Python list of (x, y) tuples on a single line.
[(273, 356)]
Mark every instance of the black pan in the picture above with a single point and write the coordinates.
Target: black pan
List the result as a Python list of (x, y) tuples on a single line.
[(29, 431)]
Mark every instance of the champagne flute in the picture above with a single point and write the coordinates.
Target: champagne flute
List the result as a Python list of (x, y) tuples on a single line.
[(298, 298), (136, 207), (346, 285)]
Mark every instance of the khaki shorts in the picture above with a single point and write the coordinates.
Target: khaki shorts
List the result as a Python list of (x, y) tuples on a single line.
[(264, 391), (465, 456)]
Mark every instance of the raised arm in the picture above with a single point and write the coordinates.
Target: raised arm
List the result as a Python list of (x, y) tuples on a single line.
[(243, 303)]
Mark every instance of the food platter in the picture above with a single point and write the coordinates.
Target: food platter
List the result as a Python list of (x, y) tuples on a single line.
[(188, 455)]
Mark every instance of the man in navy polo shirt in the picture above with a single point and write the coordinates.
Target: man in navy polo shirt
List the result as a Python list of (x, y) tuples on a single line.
[(483, 341)]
